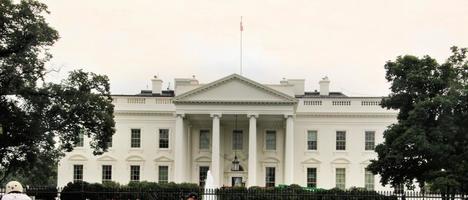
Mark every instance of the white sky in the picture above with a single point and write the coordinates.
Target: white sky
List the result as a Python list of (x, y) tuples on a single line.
[(348, 40)]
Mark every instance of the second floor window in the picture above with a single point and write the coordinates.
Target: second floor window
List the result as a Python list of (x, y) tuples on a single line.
[(109, 143), (370, 141), (270, 140), (237, 140), (311, 140), (204, 142), (135, 140), (80, 142), (341, 140), (163, 138)]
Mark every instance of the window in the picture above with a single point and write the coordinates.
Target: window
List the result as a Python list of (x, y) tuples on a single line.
[(340, 178), (369, 180), (163, 138), (135, 173), (135, 141), (341, 140), (399, 189), (109, 143), (311, 140), (270, 177), (203, 174), (312, 177), (80, 142), (237, 140), (163, 174), (204, 142), (77, 173), (370, 141), (270, 140), (106, 173)]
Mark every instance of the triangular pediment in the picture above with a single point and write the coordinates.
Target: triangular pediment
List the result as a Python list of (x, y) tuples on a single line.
[(234, 89)]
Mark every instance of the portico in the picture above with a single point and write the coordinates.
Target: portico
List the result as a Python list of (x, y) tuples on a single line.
[(234, 110)]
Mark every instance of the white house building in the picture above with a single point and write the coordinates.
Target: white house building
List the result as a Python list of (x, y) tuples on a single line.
[(279, 134)]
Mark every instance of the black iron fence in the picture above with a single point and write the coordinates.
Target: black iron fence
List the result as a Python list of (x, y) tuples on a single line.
[(50, 193)]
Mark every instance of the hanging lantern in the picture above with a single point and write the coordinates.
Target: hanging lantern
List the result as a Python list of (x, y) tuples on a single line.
[(235, 164)]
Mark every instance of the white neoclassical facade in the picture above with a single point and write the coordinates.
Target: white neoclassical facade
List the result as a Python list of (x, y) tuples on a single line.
[(279, 134)]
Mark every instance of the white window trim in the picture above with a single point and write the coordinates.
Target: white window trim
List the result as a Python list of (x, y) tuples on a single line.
[(210, 135), (169, 171), (265, 138), (112, 170), (346, 167), (169, 142), (307, 141), (375, 139), (304, 170), (346, 142), (232, 139), (130, 139), (275, 165)]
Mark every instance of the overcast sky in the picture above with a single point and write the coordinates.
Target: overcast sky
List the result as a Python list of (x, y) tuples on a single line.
[(349, 41)]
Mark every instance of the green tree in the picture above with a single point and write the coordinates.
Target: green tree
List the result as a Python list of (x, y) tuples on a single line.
[(38, 119), (430, 140)]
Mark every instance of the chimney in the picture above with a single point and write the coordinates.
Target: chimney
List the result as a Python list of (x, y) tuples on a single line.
[(157, 85), (324, 86)]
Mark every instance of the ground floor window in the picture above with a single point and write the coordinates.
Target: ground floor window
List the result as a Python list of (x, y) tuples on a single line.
[(106, 173), (135, 173), (203, 174), (270, 176), (369, 180), (340, 178), (163, 174), (312, 177), (77, 173)]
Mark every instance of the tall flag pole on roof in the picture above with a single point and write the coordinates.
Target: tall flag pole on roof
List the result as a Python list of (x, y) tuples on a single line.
[(241, 30)]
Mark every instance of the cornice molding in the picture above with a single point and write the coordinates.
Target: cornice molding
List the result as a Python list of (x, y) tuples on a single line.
[(347, 115)]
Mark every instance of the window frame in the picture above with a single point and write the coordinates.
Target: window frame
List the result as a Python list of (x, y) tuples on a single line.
[(337, 144), (316, 139), (132, 139), (159, 174), (372, 142), (208, 131), (76, 174), (202, 182), (337, 184), (241, 143), (265, 146), (168, 139), (134, 175), (267, 181), (104, 175), (307, 177), (371, 184)]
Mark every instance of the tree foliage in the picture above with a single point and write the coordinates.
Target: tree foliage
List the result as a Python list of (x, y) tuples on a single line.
[(430, 140), (38, 119)]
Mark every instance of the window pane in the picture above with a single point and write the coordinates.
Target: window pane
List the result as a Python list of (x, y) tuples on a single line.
[(312, 177), (163, 174), (270, 140), (134, 173), (109, 144), (341, 140), (369, 180), (77, 173), (135, 138), (370, 140), (106, 173), (80, 142), (237, 140), (163, 138), (312, 140), (340, 178), (204, 142), (202, 174), (270, 177)]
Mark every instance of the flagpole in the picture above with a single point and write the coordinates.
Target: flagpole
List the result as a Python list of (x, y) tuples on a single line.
[(241, 30)]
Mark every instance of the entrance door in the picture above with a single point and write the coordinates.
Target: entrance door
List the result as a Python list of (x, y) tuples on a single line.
[(236, 181)]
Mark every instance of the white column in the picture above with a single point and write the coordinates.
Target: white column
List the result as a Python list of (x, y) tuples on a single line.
[(252, 173), (215, 151), (179, 150), (289, 151)]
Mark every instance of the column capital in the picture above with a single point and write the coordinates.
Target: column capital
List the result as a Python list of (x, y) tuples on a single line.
[(179, 115), (217, 115), (289, 116), (250, 115)]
